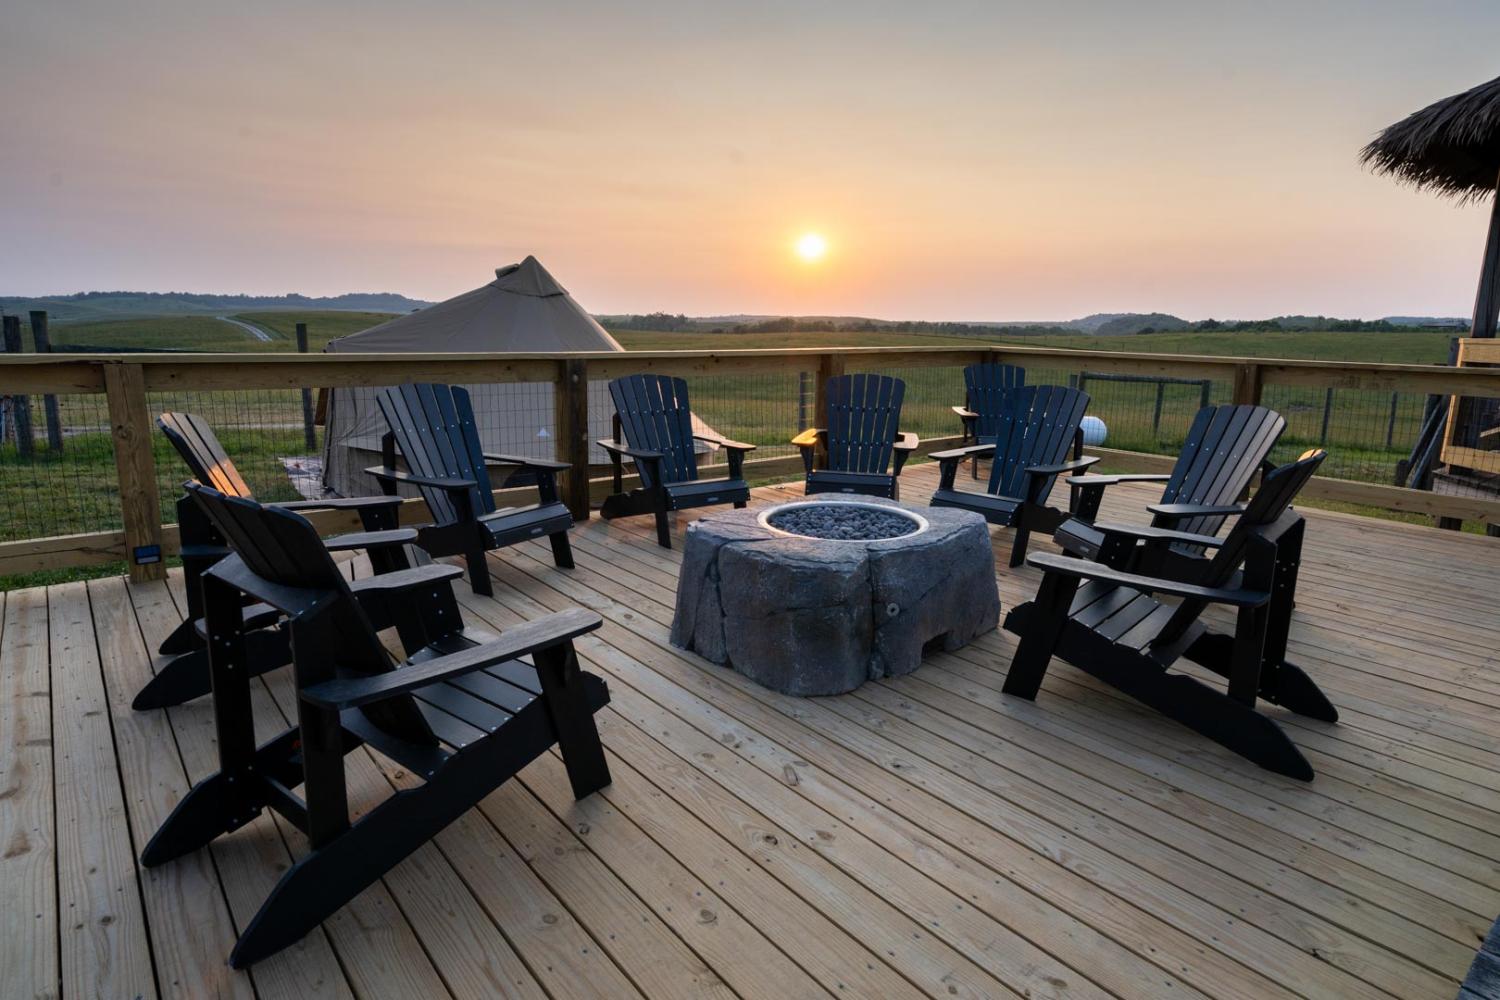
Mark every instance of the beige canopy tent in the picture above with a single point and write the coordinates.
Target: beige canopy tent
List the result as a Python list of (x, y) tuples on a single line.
[(523, 309)]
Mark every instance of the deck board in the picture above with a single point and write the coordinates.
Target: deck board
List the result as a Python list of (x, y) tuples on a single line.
[(921, 836)]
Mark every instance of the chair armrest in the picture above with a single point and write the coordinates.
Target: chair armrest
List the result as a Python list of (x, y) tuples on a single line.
[(906, 441), (1089, 570), (964, 413), (809, 437), (724, 442), (1179, 511), (1101, 481), (387, 474), (406, 579), (615, 447), (523, 640), (1054, 470), (958, 454), (338, 503), (1157, 534), (370, 539), (544, 464)]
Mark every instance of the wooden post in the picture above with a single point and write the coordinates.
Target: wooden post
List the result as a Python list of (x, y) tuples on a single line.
[(570, 411), (1161, 391), (135, 467), (309, 433), (829, 366), (1327, 412), (20, 406), (43, 344), (1247, 378)]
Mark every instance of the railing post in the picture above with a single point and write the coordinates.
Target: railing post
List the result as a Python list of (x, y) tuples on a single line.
[(135, 467), (1247, 384), (829, 366), (43, 343), (570, 405), (309, 434), (20, 405)]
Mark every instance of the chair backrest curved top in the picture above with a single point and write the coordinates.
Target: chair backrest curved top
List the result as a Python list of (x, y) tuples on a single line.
[(433, 426), (1035, 425), (864, 416), (1225, 446), (1278, 488), (283, 550), (985, 389), (654, 415), (199, 447)]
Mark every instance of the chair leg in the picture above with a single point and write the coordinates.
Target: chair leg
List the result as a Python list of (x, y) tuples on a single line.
[(663, 532), (740, 504), (184, 639), (187, 677), (562, 549), (1018, 547), (1034, 652), (577, 735), (479, 573)]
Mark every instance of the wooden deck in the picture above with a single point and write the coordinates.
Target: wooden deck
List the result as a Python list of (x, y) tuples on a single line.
[(920, 836)]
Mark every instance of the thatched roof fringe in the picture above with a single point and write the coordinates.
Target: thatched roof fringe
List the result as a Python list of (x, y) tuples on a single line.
[(1451, 147)]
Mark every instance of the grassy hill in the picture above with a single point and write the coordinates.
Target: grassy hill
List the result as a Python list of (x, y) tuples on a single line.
[(207, 333), (86, 306)]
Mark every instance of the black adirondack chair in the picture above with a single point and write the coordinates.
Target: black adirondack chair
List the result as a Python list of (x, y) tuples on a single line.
[(985, 386), (1115, 627), (186, 676), (1033, 429), (653, 427), (434, 429), (1225, 447), (461, 717), (862, 442)]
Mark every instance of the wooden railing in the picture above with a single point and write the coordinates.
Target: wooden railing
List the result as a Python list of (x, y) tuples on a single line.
[(125, 380)]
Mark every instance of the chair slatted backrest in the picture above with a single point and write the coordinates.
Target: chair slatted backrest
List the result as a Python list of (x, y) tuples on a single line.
[(1225, 446), (986, 386), (864, 415), (1036, 426), (196, 442), (654, 416), (436, 433), (283, 549), (1277, 491)]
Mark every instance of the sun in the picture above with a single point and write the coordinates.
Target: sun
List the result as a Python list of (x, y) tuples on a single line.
[(811, 247)]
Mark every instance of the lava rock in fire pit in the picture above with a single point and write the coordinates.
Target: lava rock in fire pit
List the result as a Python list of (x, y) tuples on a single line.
[(845, 521), (817, 616)]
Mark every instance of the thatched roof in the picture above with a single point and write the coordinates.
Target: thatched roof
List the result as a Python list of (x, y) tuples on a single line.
[(1451, 147)]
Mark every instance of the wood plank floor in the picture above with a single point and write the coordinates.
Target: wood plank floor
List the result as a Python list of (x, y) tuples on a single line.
[(921, 836)]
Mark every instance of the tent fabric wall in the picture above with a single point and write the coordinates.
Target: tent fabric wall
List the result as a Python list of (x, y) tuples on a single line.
[(523, 309)]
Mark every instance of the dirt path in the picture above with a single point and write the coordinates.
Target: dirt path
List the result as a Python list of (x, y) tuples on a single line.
[(254, 331)]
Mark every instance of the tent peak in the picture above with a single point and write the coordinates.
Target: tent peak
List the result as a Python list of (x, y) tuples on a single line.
[(527, 278)]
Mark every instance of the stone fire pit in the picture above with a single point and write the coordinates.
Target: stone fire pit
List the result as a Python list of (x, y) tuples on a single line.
[(821, 615)]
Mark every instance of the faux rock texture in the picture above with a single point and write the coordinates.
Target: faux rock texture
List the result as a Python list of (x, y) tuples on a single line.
[(810, 616)]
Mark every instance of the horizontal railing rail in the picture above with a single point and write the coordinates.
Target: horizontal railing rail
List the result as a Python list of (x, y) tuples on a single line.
[(127, 381)]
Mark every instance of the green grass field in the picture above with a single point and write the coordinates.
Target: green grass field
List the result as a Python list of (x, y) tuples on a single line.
[(75, 491), (208, 333), (1415, 347)]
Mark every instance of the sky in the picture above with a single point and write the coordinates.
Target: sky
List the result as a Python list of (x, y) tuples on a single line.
[(963, 161)]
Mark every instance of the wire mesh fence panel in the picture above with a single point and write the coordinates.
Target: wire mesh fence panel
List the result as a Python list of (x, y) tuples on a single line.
[(64, 490), (766, 409)]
